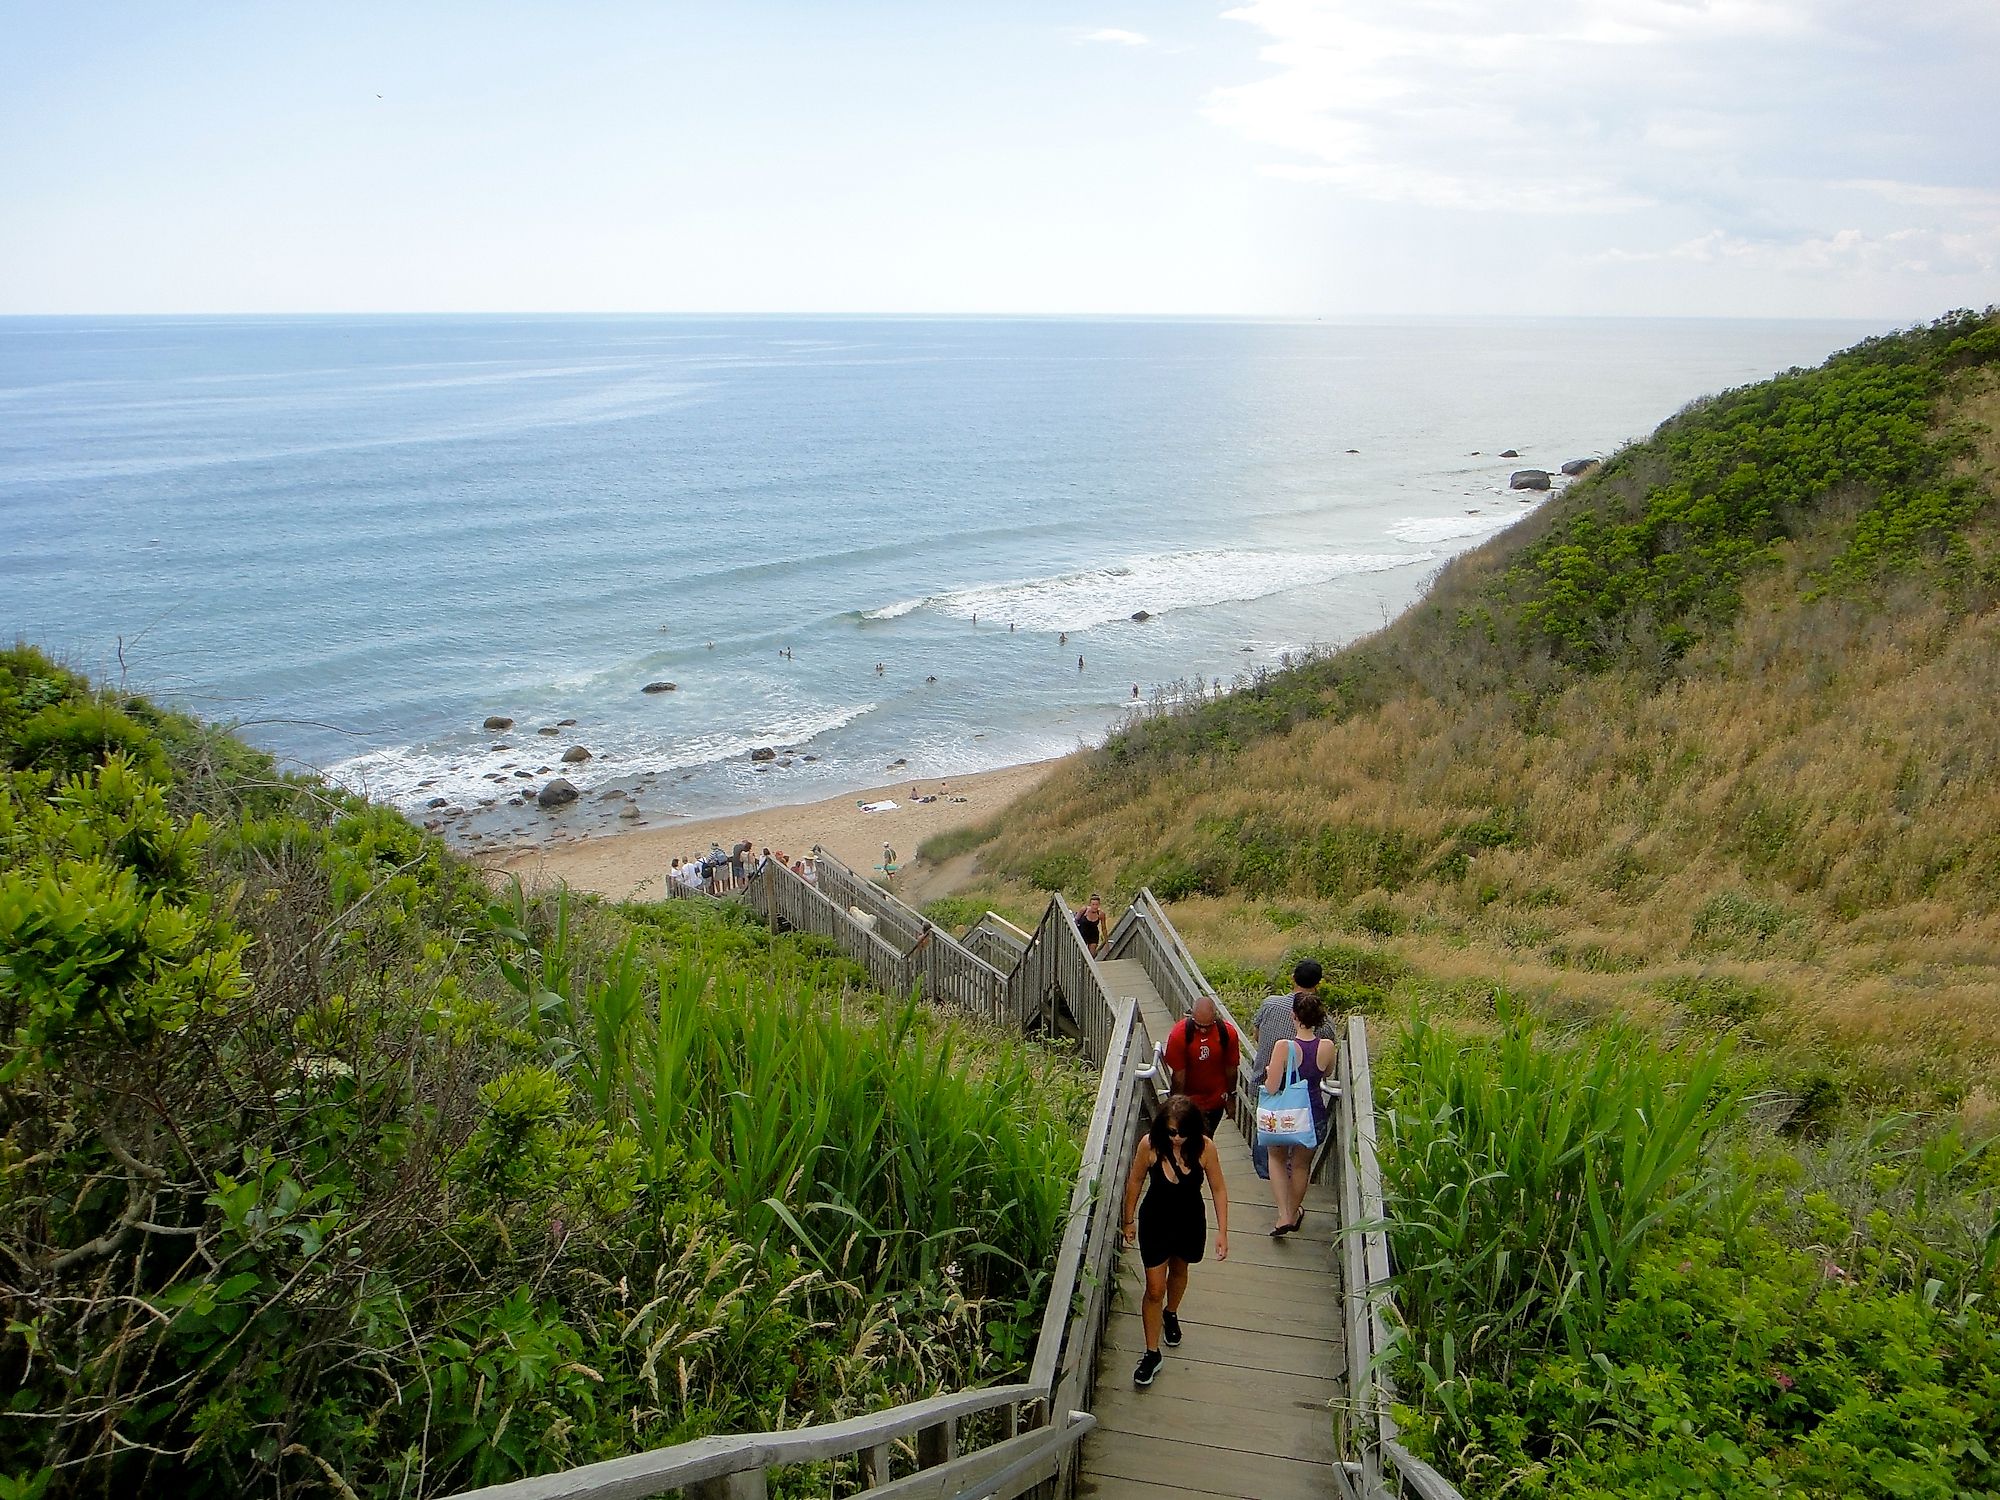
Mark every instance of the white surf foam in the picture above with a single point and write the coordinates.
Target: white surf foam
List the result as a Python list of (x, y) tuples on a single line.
[(409, 776), (1157, 584), (1419, 530)]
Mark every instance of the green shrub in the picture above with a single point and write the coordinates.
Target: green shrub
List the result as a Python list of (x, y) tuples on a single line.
[(953, 842), (1060, 870), (1738, 917), (954, 913), (1716, 999)]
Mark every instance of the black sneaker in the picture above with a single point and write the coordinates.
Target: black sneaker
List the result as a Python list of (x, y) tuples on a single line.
[(1173, 1328), (1149, 1366)]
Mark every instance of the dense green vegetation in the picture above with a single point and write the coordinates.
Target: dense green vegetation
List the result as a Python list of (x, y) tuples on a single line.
[(323, 1171), (1670, 820), (1618, 1280)]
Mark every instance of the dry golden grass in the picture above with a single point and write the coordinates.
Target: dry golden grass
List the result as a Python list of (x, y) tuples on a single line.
[(1811, 808)]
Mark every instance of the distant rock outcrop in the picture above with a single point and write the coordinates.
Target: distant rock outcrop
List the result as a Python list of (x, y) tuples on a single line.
[(1528, 479), (556, 794)]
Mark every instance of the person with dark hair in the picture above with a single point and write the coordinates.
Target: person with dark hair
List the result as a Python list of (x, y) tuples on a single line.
[(1312, 1054), (1170, 1227), (1090, 924), (1274, 1025)]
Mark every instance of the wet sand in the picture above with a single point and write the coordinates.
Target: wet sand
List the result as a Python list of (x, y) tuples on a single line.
[(627, 865)]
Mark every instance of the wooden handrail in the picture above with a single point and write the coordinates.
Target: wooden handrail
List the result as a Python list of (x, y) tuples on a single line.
[(640, 1475)]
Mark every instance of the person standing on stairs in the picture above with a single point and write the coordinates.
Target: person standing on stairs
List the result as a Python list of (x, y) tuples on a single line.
[(1169, 1226), (1312, 1054), (1090, 924), (1273, 1024), (1202, 1054)]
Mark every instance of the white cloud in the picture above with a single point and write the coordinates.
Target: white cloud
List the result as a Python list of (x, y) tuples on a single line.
[(1116, 35), (1906, 251), (1740, 141)]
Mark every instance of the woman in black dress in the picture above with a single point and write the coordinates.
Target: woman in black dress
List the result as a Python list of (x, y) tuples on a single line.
[(1169, 1226)]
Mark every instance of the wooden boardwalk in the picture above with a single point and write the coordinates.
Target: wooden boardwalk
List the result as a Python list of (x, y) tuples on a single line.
[(1241, 1408)]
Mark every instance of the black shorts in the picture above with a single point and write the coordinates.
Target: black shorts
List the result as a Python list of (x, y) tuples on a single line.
[(1166, 1236)]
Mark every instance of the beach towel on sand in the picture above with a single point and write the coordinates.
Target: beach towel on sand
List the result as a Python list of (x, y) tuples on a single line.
[(876, 806)]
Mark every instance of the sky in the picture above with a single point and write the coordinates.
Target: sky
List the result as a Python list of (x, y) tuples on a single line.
[(1273, 158)]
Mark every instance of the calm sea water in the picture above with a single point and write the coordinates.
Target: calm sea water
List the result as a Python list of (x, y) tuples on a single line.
[(359, 537)]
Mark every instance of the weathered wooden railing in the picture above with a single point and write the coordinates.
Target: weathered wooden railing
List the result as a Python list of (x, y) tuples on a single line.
[(901, 949), (998, 941), (1376, 1466)]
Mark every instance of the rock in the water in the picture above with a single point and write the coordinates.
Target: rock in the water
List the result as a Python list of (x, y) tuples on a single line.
[(556, 793), (1578, 466), (812, 757), (438, 802), (564, 723), (1142, 615), (658, 687), (498, 721), (1509, 453), (897, 763), (631, 813), (1353, 450), (576, 755), (764, 752), (1528, 479), (548, 729)]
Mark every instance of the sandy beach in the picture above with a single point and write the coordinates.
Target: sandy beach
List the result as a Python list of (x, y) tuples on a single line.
[(627, 865)]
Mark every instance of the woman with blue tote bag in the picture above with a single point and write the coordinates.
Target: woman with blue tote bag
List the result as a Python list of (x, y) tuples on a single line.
[(1297, 1066)]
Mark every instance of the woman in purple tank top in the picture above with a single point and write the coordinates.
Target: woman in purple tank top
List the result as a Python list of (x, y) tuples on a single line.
[(1291, 1166)]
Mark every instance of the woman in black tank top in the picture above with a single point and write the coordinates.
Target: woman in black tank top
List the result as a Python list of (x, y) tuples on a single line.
[(1171, 1229)]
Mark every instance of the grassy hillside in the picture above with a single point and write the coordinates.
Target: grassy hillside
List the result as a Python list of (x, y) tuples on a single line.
[(1713, 735), (1664, 835), (321, 1172)]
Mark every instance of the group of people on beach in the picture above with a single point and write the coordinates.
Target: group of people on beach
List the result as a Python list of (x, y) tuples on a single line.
[(1163, 1211), (721, 871)]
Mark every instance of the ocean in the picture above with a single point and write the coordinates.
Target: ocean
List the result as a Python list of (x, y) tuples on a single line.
[(887, 549)]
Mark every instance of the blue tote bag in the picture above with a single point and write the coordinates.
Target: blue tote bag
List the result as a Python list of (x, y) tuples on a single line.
[(1286, 1117)]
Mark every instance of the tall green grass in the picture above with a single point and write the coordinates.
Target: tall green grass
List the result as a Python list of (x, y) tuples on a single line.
[(853, 1129), (1616, 1276), (1524, 1177)]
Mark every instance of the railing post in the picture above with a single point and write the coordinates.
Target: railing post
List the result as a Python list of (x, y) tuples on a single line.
[(875, 1465), (937, 1444), (744, 1484)]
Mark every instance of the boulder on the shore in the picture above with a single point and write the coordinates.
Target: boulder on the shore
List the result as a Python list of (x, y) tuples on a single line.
[(1528, 479), (556, 793), (1578, 466), (764, 752), (498, 721), (438, 802), (659, 687), (1142, 615), (1509, 453), (576, 755)]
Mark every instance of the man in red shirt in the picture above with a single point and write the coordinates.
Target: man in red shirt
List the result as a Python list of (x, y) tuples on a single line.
[(1202, 1055)]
